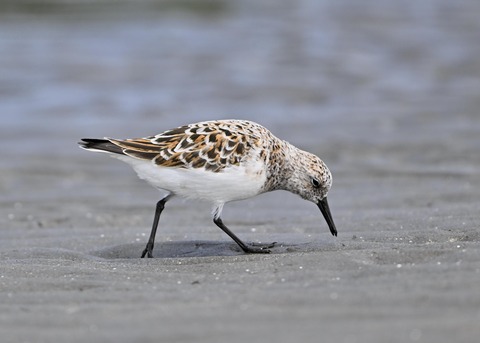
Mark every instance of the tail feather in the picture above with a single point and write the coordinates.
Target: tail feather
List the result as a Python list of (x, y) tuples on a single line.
[(100, 145)]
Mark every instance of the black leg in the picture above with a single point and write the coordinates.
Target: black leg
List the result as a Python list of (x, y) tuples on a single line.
[(251, 249), (158, 210)]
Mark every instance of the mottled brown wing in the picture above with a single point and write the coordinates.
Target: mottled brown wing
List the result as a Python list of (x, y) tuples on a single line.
[(213, 146)]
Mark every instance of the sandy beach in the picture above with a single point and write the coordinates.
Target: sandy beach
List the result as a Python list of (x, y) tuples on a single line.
[(386, 94)]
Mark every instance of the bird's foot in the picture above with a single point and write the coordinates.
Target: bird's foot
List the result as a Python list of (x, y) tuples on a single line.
[(258, 248)]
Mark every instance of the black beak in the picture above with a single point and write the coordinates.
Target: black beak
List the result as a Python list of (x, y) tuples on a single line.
[(323, 206)]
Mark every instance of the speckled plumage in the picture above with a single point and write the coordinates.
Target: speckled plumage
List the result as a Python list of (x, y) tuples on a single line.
[(212, 146), (221, 161)]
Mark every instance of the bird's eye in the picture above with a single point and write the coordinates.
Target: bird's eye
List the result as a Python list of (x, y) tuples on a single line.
[(315, 182)]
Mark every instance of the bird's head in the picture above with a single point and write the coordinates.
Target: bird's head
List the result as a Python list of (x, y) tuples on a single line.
[(311, 179)]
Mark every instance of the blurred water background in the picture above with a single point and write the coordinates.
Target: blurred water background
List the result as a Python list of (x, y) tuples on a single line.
[(369, 73)]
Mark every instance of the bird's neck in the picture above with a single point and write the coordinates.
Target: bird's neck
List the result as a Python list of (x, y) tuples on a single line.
[(280, 166)]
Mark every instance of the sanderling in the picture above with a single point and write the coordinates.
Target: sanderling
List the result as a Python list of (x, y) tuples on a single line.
[(221, 161)]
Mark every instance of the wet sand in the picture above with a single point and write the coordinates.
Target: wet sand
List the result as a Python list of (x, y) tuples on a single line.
[(386, 95)]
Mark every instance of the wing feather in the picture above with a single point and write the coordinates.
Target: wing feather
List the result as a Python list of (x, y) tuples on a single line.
[(213, 145)]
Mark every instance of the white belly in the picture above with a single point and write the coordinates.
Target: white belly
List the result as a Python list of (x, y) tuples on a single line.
[(234, 183)]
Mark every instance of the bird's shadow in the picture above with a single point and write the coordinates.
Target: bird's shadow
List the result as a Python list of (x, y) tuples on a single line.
[(190, 249)]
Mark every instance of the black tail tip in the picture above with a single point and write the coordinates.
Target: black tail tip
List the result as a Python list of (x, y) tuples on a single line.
[(88, 143)]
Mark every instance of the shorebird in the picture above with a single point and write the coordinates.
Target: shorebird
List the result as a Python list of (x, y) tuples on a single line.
[(221, 161)]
